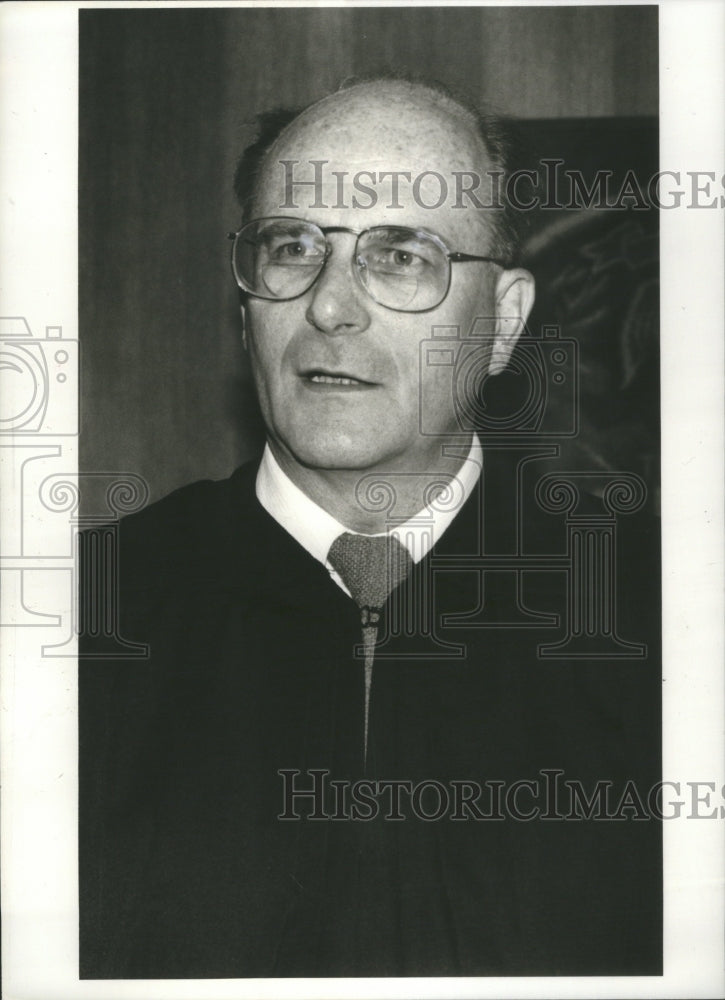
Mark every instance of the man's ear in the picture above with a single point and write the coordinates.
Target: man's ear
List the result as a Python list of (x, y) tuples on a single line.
[(514, 299)]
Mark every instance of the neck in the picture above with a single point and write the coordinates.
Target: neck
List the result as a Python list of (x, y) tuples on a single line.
[(366, 500)]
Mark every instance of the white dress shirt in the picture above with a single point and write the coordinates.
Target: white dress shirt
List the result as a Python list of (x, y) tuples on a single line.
[(316, 530)]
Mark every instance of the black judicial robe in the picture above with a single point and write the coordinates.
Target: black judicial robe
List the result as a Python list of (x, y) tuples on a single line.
[(186, 869)]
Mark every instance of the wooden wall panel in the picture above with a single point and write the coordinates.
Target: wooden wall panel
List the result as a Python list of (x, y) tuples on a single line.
[(166, 96)]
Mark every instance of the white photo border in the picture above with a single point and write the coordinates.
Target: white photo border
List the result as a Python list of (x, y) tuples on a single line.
[(39, 102)]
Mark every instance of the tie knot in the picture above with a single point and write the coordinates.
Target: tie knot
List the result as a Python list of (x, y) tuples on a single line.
[(370, 566)]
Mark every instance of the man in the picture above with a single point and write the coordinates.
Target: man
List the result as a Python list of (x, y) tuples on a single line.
[(265, 795)]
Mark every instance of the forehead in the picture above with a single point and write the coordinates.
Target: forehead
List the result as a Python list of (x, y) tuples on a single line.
[(376, 156)]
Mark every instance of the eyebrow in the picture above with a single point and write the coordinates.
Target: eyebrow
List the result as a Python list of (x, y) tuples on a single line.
[(397, 234), (279, 229)]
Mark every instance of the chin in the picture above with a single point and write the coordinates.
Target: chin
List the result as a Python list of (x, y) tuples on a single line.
[(339, 452)]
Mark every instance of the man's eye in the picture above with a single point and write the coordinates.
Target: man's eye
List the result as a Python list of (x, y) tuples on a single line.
[(396, 259), (293, 252)]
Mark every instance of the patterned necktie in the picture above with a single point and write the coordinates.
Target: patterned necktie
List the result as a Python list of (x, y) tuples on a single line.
[(370, 567)]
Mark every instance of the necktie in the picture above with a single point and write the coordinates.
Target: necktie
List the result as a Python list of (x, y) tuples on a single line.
[(371, 567)]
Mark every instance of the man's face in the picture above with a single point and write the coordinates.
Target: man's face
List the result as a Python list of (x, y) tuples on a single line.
[(339, 377)]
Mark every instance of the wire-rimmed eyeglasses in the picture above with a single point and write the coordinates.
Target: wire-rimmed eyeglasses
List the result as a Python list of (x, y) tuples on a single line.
[(408, 270)]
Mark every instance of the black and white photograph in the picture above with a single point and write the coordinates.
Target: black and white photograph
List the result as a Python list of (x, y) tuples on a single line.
[(383, 644)]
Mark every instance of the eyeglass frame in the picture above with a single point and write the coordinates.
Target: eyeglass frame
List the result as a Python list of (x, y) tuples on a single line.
[(452, 256)]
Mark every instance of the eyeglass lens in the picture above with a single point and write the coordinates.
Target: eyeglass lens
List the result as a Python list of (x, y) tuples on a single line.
[(400, 268)]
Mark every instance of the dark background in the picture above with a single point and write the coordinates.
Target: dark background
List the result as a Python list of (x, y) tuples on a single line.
[(167, 98)]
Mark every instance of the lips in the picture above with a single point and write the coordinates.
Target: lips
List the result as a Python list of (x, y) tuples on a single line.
[(322, 376)]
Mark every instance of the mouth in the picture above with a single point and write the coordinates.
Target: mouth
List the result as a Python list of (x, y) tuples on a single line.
[(322, 378)]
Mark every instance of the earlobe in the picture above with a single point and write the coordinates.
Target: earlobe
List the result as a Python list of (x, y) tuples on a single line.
[(514, 301)]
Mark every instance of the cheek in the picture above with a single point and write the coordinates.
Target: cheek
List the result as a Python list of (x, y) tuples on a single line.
[(258, 358), (472, 298), (265, 346)]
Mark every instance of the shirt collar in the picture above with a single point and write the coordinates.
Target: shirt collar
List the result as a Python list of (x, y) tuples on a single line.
[(316, 530)]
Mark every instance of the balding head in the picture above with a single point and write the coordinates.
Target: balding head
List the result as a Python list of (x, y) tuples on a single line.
[(390, 111)]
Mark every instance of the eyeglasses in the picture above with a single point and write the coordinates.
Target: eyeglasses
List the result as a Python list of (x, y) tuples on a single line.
[(408, 270)]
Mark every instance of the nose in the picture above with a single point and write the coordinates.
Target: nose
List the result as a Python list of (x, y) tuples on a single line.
[(337, 302)]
